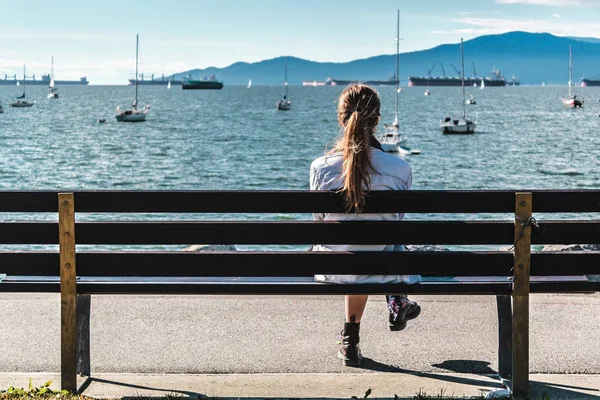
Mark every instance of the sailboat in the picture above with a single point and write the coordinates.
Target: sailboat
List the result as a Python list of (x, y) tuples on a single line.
[(572, 101), (464, 124), (391, 139), (133, 115), (284, 104), (169, 85), (22, 103), (482, 84), (249, 83), (52, 93)]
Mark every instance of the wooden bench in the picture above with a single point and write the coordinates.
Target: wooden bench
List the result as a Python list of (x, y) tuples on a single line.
[(78, 274)]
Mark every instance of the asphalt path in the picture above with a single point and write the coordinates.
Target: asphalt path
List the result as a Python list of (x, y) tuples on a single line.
[(276, 334)]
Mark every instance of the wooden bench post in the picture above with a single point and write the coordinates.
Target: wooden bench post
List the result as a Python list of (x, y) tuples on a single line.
[(68, 292), (83, 334), (520, 295), (503, 304)]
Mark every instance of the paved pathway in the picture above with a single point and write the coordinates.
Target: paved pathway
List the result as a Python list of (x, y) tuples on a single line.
[(273, 334)]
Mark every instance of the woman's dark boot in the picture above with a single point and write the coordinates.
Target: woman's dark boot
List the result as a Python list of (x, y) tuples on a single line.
[(349, 351)]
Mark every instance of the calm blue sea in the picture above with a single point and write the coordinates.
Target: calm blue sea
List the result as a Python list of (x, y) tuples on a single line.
[(235, 138)]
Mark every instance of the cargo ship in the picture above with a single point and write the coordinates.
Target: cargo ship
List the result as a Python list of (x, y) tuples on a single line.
[(315, 83), (344, 82), (204, 83), (391, 81), (495, 78), (157, 82), (590, 82), (44, 81)]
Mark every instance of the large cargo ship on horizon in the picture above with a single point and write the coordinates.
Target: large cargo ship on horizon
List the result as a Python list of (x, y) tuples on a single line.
[(44, 81), (495, 78), (157, 82), (344, 82), (590, 82), (203, 84)]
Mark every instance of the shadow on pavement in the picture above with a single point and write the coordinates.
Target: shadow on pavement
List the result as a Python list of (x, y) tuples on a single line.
[(174, 393)]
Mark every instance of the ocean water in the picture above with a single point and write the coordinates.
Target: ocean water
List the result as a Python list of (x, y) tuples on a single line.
[(235, 138)]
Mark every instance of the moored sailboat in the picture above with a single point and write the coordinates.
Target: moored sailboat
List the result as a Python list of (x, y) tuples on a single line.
[(52, 93), (284, 104), (391, 139), (464, 124), (572, 101), (133, 115), (22, 103)]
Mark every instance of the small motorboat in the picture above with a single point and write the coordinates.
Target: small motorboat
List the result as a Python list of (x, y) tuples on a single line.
[(459, 125), (427, 92), (391, 139), (471, 100), (22, 104), (52, 93), (133, 115)]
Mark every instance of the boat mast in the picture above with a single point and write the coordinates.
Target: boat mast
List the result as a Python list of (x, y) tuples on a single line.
[(462, 56), (397, 64), (570, 73), (137, 42), (52, 68), (286, 82), (24, 80)]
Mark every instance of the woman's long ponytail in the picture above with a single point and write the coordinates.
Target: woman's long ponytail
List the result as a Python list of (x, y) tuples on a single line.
[(358, 113)]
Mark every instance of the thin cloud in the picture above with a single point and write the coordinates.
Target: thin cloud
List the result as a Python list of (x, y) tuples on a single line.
[(556, 15), (488, 26), (551, 3), (50, 35)]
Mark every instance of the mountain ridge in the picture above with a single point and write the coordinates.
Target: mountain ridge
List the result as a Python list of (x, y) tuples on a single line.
[(532, 57)]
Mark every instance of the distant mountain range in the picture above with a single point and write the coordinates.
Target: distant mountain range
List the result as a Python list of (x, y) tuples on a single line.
[(532, 57)]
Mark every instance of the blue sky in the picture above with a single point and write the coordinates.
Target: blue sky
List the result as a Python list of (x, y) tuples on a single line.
[(97, 38)]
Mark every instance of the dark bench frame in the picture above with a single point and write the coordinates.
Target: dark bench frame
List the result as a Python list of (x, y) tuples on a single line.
[(79, 270)]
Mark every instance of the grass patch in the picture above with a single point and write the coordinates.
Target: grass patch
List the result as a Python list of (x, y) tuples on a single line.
[(37, 392)]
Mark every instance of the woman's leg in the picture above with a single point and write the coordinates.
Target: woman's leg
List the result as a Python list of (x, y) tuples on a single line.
[(350, 351), (355, 307)]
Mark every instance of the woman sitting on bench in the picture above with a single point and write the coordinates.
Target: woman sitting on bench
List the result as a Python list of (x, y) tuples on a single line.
[(356, 165)]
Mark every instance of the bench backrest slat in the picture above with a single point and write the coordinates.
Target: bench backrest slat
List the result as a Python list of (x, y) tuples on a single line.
[(29, 232), (296, 232)]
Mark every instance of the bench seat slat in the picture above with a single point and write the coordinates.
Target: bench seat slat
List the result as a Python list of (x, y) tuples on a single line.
[(303, 285), (444, 263)]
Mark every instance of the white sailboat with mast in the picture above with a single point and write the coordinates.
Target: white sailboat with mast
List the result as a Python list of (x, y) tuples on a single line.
[(133, 115), (52, 93), (391, 139), (464, 124), (22, 103), (284, 104), (572, 101)]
